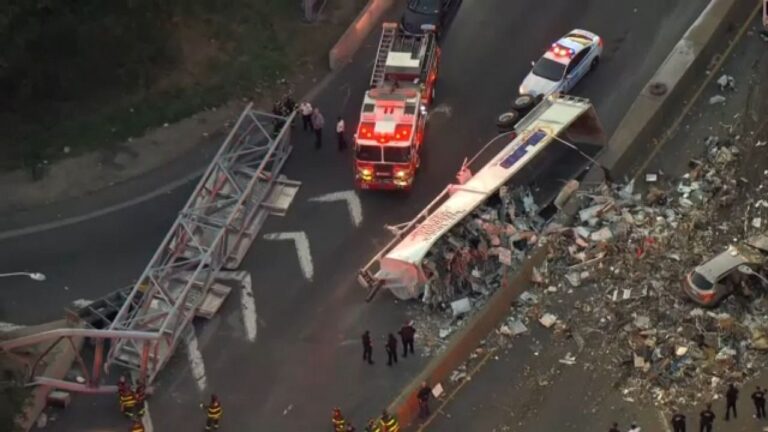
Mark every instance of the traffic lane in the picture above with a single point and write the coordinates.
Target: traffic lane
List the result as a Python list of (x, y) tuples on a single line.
[(517, 390), (638, 36), (83, 261)]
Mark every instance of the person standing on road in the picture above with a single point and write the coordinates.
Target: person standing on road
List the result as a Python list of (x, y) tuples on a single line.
[(391, 350), (423, 395), (141, 396), (373, 426), (614, 428), (305, 109), (367, 347), (213, 413), (407, 334), (317, 125), (731, 396), (127, 402), (340, 134), (678, 422), (634, 428), (706, 419), (758, 397)]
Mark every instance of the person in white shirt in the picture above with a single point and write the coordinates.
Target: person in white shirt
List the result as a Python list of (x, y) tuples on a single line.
[(340, 134), (634, 428), (305, 109), (317, 125)]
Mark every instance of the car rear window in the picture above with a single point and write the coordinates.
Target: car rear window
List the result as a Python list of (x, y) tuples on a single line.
[(368, 153), (549, 69), (700, 282), (397, 154), (424, 6)]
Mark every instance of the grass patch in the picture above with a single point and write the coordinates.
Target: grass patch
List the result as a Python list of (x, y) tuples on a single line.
[(88, 74)]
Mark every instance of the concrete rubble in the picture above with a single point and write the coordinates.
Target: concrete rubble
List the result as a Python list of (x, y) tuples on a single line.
[(617, 295), (627, 279), (470, 260)]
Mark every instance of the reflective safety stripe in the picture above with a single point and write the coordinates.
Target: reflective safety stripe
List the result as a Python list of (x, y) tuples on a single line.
[(214, 412), (138, 428)]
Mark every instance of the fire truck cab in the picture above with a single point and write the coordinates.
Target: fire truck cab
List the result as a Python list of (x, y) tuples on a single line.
[(394, 111)]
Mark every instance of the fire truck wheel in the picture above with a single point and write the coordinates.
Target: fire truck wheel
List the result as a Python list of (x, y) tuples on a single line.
[(506, 121), (523, 103)]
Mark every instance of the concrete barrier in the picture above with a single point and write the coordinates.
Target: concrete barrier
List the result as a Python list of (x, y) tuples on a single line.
[(689, 60), (353, 37), (406, 407), (710, 33)]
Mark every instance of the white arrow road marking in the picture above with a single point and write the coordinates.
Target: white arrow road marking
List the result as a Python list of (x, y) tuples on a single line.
[(248, 305), (302, 249), (196, 361), (353, 203)]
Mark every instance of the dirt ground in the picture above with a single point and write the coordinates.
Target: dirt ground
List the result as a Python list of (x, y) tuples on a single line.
[(198, 136)]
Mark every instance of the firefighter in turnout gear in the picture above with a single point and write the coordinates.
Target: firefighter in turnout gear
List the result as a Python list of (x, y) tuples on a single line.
[(388, 423), (340, 424), (127, 401), (137, 426), (372, 426), (214, 412), (141, 396)]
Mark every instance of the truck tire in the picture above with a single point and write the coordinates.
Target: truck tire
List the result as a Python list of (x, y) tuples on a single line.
[(506, 121), (524, 103)]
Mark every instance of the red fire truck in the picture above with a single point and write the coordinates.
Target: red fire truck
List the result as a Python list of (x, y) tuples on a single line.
[(394, 111)]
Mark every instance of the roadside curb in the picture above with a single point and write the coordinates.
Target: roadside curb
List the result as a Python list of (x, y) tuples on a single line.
[(352, 39), (700, 47), (692, 56)]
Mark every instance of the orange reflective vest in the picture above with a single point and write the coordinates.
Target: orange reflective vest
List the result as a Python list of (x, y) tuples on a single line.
[(137, 427)]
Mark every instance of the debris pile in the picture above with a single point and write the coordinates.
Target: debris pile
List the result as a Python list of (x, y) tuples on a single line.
[(627, 256), (467, 264)]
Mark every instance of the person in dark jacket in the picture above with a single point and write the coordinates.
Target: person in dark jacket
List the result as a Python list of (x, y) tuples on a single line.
[(614, 428), (391, 349), (367, 347), (678, 422), (407, 335), (758, 397), (706, 419), (423, 395), (731, 396)]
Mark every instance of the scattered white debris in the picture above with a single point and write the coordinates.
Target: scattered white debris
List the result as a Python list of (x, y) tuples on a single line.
[(716, 99), (548, 320)]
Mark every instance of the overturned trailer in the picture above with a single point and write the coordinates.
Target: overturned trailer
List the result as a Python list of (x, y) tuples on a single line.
[(554, 143)]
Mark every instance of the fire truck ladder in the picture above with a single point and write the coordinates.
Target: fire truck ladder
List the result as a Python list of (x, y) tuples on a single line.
[(144, 323), (388, 33)]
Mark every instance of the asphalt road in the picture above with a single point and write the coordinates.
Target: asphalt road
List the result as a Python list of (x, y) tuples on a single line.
[(304, 360)]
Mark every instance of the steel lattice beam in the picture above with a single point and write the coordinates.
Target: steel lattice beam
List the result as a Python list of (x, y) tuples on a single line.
[(212, 232)]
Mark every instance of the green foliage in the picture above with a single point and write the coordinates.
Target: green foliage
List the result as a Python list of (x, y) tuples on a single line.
[(86, 73), (13, 398)]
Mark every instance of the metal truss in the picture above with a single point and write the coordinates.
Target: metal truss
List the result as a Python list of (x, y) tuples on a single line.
[(213, 232)]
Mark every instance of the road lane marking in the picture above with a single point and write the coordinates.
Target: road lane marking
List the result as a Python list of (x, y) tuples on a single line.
[(301, 243), (248, 305), (196, 361), (353, 203)]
